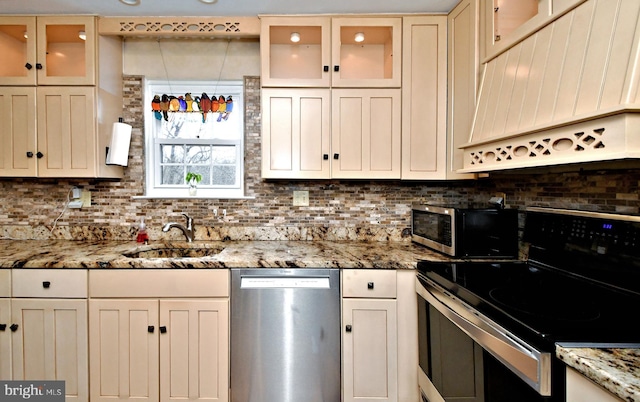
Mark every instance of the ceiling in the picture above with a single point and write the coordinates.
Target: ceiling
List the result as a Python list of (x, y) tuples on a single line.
[(110, 8)]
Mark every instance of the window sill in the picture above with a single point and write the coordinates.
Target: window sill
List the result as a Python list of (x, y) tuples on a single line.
[(195, 197)]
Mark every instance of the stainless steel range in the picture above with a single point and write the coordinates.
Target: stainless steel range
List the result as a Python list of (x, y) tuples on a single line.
[(488, 329)]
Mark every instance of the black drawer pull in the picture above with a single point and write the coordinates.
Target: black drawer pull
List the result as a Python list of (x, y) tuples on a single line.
[(46, 284), (150, 329), (163, 329), (348, 328), (13, 327), (370, 285)]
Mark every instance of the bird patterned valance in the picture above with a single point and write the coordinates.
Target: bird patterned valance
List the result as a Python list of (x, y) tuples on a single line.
[(164, 104)]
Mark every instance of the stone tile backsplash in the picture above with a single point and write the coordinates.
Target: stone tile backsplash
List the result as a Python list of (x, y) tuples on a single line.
[(338, 210)]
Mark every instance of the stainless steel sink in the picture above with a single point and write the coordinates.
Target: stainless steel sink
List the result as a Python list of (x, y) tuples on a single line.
[(189, 250)]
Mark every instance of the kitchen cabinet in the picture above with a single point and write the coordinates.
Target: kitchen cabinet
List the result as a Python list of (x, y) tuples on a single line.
[(48, 50), (369, 336), (49, 336), (506, 22), (5, 324), (327, 54), (58, 122), (424, 92), (168, 341), (582, 389), (365, 133), (463, 77), (296, 133)]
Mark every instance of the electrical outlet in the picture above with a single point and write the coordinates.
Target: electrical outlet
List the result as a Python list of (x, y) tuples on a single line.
[(85, 197), (301, 198), (75, 192)]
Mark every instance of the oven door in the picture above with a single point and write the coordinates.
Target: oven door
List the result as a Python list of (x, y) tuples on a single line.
[(496, 343)]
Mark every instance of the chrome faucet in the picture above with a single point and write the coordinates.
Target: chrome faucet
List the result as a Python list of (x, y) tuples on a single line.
[(189, 231)]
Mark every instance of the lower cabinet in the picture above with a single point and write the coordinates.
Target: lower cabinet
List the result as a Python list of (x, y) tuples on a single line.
[(174, 346), (582, 389), (369, 336)]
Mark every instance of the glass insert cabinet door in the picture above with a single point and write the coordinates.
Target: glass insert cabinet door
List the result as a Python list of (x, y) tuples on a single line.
[(47, 50)]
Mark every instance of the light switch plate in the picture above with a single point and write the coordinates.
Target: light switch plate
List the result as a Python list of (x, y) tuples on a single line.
[(301, 198)]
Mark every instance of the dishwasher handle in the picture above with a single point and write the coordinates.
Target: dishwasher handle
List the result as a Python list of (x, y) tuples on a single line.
[(286, 282)]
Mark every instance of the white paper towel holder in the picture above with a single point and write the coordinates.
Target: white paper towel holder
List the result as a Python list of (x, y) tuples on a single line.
[(118, 151)]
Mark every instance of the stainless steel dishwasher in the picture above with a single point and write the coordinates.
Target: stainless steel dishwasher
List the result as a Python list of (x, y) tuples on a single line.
[(285, 335)]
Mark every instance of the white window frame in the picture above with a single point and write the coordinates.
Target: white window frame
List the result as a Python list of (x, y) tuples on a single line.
[(152, 144)]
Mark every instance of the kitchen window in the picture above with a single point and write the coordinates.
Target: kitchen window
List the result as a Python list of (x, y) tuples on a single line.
[(182, 138)]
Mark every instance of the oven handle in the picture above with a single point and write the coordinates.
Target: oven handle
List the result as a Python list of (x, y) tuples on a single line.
[(533, 366)]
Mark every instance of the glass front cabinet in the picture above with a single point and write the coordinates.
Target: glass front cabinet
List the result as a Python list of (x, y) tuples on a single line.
[(47, 50), (331, 52)]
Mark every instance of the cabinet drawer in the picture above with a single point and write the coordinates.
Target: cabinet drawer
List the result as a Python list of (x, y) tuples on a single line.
[(60, 283), (159, 283), (5, 283), (369, 283)]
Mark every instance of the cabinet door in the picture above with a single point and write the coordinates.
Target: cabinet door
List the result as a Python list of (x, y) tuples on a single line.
[(365, 133), (18, 131), (18, 49), (424, 94), (66, 58), (463, 66), (5, 339), (194, 350), (124, 350), (373, 61), (51, 343), (66, 131), (295, 133), (286, 63), (369, 350)]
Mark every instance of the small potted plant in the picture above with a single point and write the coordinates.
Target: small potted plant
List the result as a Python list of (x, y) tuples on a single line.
[(192, 180)]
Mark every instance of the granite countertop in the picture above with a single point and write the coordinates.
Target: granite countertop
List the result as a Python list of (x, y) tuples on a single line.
[(615, 369), (233, 254)]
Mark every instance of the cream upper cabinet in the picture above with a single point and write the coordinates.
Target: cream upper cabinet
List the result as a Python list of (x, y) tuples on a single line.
[(18, 154), (424, 94), (296, 133), (52, 50), (328, 51), (366, 52), (506, 22), (295, 51), (365, 133)]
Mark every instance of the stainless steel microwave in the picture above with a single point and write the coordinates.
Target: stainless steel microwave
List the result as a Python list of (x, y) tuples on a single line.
[(466, 232)]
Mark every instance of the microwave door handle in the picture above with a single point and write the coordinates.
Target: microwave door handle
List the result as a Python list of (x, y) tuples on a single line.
[(504, 347)]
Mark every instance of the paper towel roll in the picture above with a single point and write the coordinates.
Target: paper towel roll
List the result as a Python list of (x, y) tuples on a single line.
[(118, 153)]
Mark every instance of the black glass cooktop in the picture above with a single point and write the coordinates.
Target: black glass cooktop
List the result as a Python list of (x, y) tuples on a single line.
[(581, 282)]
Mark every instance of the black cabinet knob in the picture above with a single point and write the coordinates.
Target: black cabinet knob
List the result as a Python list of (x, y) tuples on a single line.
[(150, 329), (28, 66), (3, 327), (13, 327), (163, 329), (370, 285), (38, 66), (29, 154), (336, 156), (336, 68), (39, 155), (326, 69), (347, 328), (325, 157), (46, 284)]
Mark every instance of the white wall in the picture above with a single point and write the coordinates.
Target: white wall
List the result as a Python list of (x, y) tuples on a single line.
[(192, 59)]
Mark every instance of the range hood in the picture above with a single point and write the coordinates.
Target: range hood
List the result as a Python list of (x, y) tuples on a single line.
[(569, 93)]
